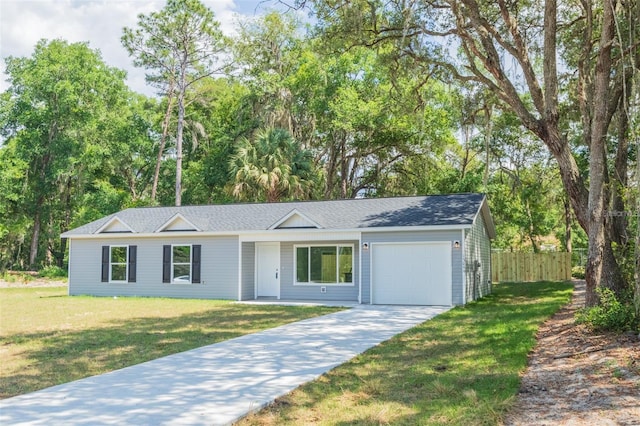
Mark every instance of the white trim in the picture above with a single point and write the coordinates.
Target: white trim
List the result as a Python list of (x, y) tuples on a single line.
[(360, 251), (489, 225), (255, 270), (292, 213), (463, 263), (174, 218), (126, 265), (298, 235), (69, 269), (109, 223), (172, 278), (314, 284), (280, 234), (239, 271)]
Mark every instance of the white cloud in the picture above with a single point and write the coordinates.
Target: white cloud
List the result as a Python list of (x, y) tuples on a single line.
[(100, 22)]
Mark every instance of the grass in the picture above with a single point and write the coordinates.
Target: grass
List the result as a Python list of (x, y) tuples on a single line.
[(48, 338), (461, 368)]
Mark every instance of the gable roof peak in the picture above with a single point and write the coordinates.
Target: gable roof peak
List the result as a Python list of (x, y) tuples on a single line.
[(115, 224), (295, 219), (177, 222)]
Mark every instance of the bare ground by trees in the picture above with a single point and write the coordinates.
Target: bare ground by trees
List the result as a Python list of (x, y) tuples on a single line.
[(579, 378)]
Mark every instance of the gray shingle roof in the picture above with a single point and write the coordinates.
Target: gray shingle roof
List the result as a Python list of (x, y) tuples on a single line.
[(431, 210)]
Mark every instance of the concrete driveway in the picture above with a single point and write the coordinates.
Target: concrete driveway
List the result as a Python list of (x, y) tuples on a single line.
[(220, 383)]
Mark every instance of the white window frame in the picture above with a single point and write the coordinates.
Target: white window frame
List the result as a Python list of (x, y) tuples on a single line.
[(112, 263), (314, 284), (173, 278)]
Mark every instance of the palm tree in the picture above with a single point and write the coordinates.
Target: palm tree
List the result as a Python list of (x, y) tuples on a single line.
[(272, 167)]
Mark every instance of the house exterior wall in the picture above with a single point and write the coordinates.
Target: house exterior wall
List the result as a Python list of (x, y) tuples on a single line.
[(248, 280), (219, 268), (477, 248), (289, 290), (414, 237)]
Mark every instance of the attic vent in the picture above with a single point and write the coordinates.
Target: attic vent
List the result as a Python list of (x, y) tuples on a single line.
[(114, 225), (177, 223)]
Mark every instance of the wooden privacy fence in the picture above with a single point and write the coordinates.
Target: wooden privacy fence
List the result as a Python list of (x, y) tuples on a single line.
[(529, 267)]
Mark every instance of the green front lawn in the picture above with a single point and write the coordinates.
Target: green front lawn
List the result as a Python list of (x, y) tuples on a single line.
[(48, 338), (461, 368)]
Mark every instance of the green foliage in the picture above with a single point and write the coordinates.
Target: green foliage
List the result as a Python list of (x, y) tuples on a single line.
[(52, 272), (273, 167), (577, 272), (610, 314), (62, 108), (17, 276), (180, 45)]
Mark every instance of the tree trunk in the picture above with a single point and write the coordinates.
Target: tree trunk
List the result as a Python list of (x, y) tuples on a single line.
[(181, 93), (163, 141), (619, 179), (601, 263), (331, 171), (487, 142), (567, 226), (35, 237), (343, 170), (636, 297)]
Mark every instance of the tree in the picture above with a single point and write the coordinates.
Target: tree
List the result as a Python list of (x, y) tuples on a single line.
[(181, 45), (224, 109), (272, 168), (502, 48), (61, 104), (358, 117)]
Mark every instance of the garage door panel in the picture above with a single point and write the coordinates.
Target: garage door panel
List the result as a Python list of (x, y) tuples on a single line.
[(411, 274)]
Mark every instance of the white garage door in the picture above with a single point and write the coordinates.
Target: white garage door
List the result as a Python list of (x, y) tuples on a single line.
[(411, 274)]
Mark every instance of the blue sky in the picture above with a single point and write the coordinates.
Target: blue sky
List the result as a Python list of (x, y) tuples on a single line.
[(100, 22)]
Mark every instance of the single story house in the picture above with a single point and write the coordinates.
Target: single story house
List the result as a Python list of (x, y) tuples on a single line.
[(424, 250)]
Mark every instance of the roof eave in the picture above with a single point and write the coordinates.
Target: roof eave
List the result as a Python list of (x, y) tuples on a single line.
[(274, 232), (488, 218)]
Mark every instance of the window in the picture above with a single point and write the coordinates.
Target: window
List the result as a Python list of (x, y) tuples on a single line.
[(119, 263), (324, 264), (181, 264)]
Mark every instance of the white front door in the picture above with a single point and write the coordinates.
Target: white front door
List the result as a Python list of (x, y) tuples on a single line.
[(268, 270)]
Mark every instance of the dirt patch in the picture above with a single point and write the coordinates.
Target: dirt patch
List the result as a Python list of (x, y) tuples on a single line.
[(38, 282), (579, 378)]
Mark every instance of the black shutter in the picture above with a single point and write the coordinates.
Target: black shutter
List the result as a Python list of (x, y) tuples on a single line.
[(133, 252), (166, 264), (105, 264), (195, 264)]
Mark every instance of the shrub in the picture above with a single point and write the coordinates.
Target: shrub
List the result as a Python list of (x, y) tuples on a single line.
[(17, 276), (609, 315), (53, 272), (577, 272)]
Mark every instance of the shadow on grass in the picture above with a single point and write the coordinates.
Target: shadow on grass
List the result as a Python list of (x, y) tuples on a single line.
[(60, 356), (462, 367)]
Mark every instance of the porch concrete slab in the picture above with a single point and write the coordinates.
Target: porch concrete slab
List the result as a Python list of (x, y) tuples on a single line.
[(220, 383), (288, 302)]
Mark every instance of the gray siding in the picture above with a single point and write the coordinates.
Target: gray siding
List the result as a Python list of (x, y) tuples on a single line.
[(219, 269), (477, 248), (404, 237), (248, 271), (312, 292)]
